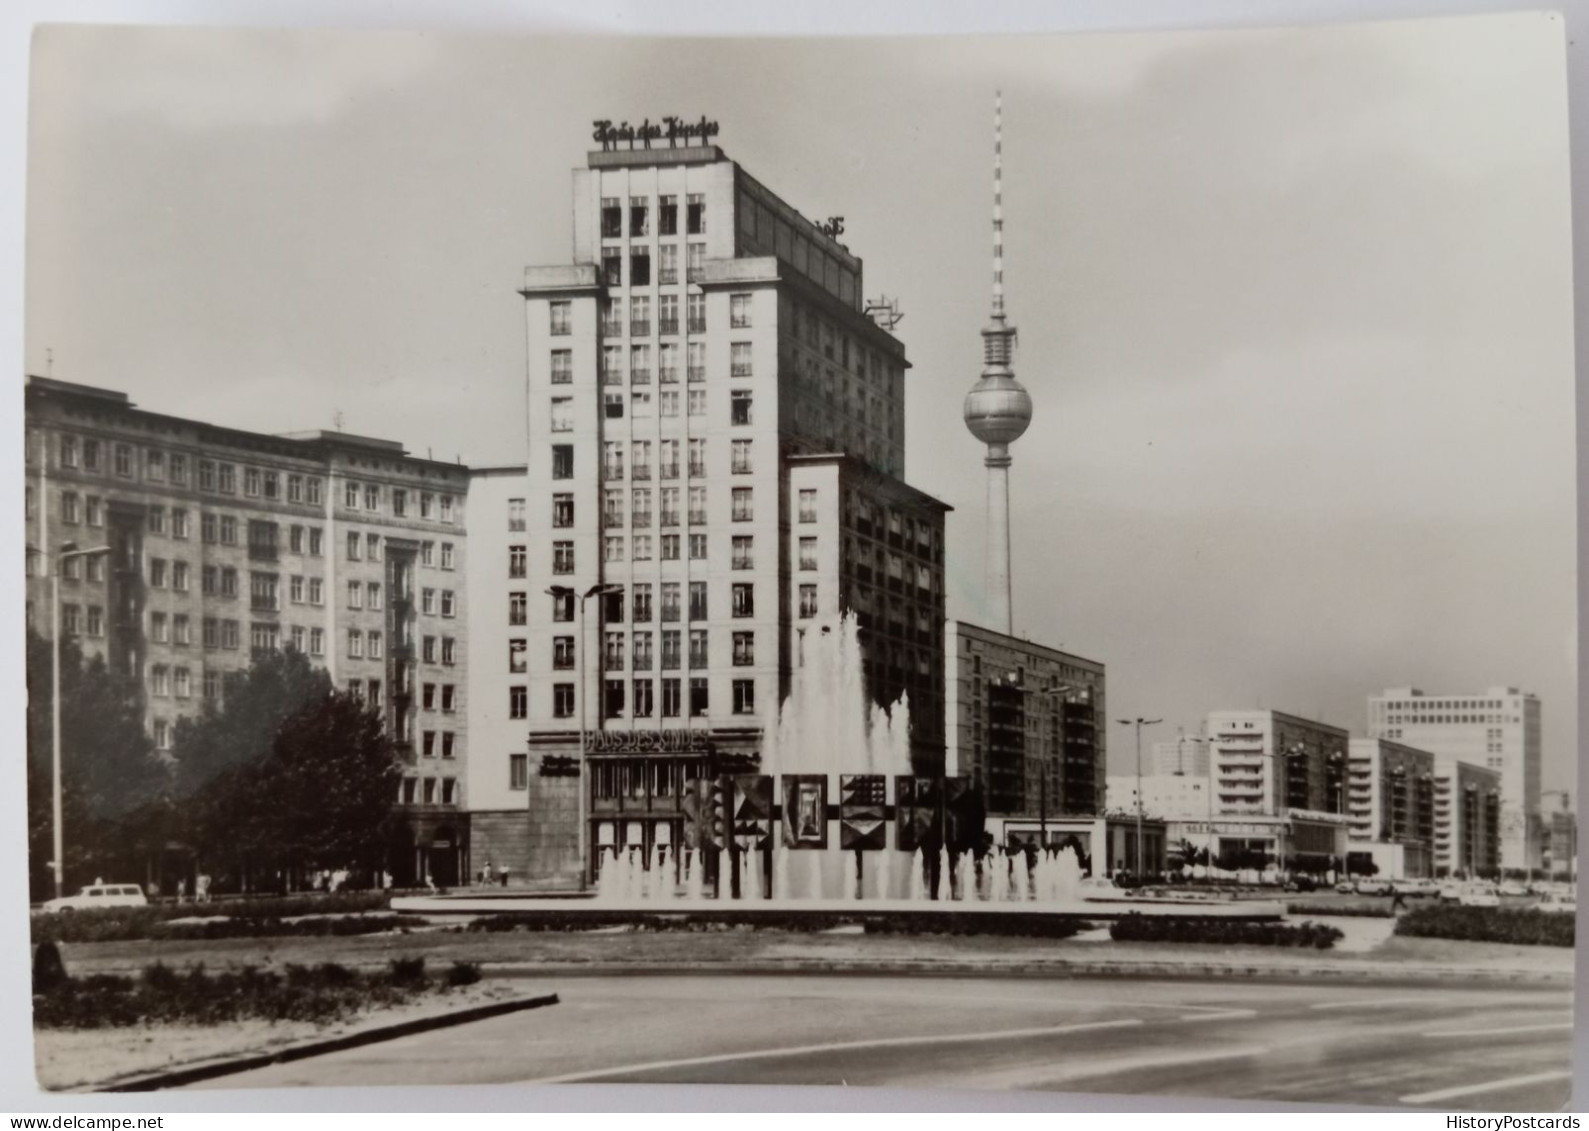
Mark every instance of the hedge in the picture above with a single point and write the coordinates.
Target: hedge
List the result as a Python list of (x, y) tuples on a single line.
[(121, 924), (902, 923), (1136, 927), (323, 993), (1527, 926), (1345, 910)]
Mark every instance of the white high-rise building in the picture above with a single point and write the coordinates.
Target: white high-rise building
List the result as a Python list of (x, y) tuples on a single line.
[(1185, 755), (715, 448), (1496, 729)]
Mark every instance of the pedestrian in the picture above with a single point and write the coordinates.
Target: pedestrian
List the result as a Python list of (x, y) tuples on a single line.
[(182, 890), (1398, 902), (504, 875), (201, 888), (486, 873)]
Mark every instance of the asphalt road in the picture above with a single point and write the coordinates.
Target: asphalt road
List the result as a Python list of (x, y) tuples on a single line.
[(1440, 1047)]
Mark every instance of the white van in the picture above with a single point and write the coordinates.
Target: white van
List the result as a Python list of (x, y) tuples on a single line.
[(100, 895)]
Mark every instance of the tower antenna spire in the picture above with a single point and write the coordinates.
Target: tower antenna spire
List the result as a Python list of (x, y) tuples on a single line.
[(998, 205)]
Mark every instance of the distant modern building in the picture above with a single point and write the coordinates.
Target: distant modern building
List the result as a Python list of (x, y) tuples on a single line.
[(1391, 798), (1171, 797), (226, 543), (1468, 825), (1186, 754), (1279, 788), (1497, 729), (1561, 839), (716, 445), (1026, 723)]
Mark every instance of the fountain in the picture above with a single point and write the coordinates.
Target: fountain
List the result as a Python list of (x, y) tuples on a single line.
[(833, 822)]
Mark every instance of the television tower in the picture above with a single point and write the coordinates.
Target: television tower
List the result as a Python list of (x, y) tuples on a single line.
[(997, 409)]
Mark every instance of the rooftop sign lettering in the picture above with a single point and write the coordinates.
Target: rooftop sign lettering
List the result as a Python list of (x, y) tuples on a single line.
[(675, 130)]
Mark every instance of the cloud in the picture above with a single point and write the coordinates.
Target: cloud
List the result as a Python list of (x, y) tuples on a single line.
[(209, 79)]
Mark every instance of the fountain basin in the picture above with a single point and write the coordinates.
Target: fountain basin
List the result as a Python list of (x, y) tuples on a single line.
[(568, 912)]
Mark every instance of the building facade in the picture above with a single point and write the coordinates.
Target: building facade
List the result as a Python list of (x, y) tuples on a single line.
[(1391, 795), (1184, 755), (1026, 722), (1171, 797), (715, 451), (1282, 779), (1496, 729), (225, 543)]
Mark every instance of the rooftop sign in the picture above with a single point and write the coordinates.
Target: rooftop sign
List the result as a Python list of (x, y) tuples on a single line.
[(676, 131)]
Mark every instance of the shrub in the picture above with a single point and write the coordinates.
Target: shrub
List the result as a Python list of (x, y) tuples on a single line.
[(1346, 910), (121, 924), (1136, 927), (407, 971), (1523, 926), (463, 974), (320, 994)]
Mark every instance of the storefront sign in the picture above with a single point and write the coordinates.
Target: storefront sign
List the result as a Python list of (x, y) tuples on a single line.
[(647, 742), (675, 130)]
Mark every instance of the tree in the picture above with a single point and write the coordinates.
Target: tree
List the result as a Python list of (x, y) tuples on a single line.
[(289, 774), (111, 774)]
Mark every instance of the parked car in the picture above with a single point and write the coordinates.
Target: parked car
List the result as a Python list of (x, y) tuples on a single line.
[(1098, 887), (1513, 888), (1345, 887), (1423, 887), (1478, 895), (1559, 901), (1374, 887), (99, 895)]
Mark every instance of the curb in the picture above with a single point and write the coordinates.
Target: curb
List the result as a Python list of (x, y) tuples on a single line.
[(193, 1074), (1159, 970)]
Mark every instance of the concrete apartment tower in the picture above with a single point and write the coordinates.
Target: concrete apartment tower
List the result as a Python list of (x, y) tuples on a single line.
[(998, 410)]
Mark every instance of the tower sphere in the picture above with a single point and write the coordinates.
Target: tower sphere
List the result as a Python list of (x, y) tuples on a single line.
[(998, 409)]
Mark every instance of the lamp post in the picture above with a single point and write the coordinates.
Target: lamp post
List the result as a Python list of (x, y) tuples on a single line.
[(68, 550), (1139, 723), (564, 592)]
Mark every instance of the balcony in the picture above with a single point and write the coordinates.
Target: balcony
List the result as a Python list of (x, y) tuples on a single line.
[(697, 325), (667, 326), (640, 327)]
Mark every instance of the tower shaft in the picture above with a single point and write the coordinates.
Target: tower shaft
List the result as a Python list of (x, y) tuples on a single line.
[(999, 598)]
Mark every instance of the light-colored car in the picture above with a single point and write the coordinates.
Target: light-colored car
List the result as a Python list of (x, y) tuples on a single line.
[(1559, 901), (1098, 887), (1479, 896), (1374, 887), (1514, 888), (1418, 887), (1344, 887), (99, 895)]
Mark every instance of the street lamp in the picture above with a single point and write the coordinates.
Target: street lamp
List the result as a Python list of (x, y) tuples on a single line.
[(68, 550), (1139, 723), (564, 592)]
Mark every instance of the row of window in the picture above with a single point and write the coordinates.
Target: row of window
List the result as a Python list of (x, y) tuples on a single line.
[(615, 547), (428, 791), (259, 483), (560, 312), (643, 657), (640, 371), (158, 466), (370, 496), (640, 215), (638, 699), (638, 602), (640, 405), (614, 452), (432, 602)]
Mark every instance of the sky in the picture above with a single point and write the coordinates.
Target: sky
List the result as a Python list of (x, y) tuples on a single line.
[(1294, 306)]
